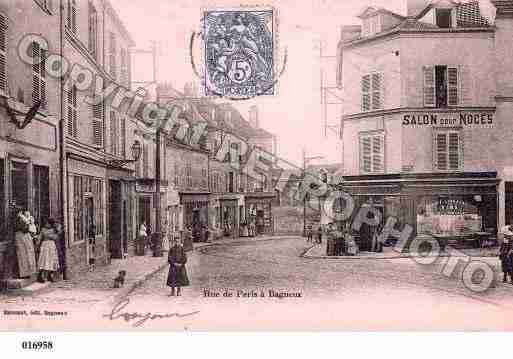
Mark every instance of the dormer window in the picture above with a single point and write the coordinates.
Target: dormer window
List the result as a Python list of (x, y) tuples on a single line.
[(444, 18), (371, 25)]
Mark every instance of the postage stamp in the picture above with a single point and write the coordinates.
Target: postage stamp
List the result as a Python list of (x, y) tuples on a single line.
[(239, 47)]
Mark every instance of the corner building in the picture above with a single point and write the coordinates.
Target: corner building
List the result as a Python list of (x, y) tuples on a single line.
[(426, 125)]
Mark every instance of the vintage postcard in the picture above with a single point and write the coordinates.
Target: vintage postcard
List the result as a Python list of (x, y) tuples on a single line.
[(313, 165)]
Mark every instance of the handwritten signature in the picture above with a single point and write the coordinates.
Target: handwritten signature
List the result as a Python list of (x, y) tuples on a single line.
[(117, 313)]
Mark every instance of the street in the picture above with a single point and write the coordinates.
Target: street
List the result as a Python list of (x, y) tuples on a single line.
[(364, 294)]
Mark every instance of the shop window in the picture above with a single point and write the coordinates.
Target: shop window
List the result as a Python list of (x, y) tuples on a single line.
[(41, 188), (448, 150), (372, 152), (450, 215), (372, 92), (19, 183), (444, 18), (441, 86)]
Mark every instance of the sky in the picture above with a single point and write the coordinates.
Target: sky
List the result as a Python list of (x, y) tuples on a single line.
[(294, 113)]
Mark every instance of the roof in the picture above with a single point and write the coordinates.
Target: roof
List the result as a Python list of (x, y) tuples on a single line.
[(205, 110), (410, 24), (371, 10)]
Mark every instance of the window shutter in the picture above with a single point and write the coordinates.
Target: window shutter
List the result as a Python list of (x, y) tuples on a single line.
[(377, 153), (123, 137), (145, 160), (93, 30), (366, 154), (68, 15), (366, 83), (74, 16), (36, 72), (75, 114), (429, 86), (452, 86), (113, 133), (98, 116), (376, 91), (112, 54), (3, 53), (441, 151), (454, 152), (42, 78)]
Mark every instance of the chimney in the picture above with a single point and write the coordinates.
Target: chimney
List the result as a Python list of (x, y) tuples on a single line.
[(253, 116), (414, 7)]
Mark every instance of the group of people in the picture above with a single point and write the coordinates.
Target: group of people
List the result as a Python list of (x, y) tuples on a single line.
[(38, 252), (344, 240)]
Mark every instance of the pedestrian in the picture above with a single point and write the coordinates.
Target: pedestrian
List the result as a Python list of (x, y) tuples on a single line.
[(177, 275), (48, 262), (319, 234), (25, 252), (142, 238), (309, 234), (506, 260)]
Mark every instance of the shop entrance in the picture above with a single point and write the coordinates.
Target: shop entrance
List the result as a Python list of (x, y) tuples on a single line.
[(509, 203), (145, 212), (116, 214)]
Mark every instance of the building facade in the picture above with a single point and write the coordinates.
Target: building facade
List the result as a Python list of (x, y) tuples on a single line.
[(423, 129), (29, 157)]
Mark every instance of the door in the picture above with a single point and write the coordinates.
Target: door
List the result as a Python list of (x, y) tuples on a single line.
[(115, 220), (144, 212), (19, 184), (125, 228), (89, 229), (509, 203)]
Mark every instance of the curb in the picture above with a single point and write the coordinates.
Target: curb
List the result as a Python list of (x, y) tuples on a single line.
[(395, 256)]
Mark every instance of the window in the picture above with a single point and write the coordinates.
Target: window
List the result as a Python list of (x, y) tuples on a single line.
[(93, 30), (122, 136), (71, 104), (372, 89), (71, 18), (125, 78), (145, 163), (41, 188), (447, 150), (441, 86), (39, 75), (444, 18), (98, 124), (372, 152), (3, 53), (112, 55), (114, 136)]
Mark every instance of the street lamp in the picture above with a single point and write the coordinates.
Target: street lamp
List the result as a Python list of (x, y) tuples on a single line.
[(136, 150), (305, 162)]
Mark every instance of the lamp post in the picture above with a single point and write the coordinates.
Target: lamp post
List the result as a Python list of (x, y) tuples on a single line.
[(305, 162)]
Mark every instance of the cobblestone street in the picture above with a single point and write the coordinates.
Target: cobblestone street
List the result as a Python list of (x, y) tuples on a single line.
[(360, 293)]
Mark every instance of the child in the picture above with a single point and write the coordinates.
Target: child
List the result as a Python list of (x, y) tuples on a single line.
[(309, 234), (506, 258)]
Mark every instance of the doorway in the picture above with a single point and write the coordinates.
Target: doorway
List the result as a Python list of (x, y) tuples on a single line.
[(116, 220), (145, 212), (90, 230), (509, 203)]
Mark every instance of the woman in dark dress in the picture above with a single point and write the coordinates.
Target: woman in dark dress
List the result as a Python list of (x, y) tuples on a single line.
[(177, 276)]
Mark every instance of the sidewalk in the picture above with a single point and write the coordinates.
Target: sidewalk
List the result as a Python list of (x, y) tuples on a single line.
[(319, 252)]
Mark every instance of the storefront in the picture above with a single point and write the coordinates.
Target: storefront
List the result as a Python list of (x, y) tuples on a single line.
[(195, 212), (452, 205), (120, 219), (259, 211), (230, 214), (146, 204)]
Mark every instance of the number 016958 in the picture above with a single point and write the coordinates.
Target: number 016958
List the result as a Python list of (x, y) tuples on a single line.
[(37, 345)]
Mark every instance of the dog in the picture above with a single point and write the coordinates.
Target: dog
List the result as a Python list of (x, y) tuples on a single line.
[(119, 281)]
